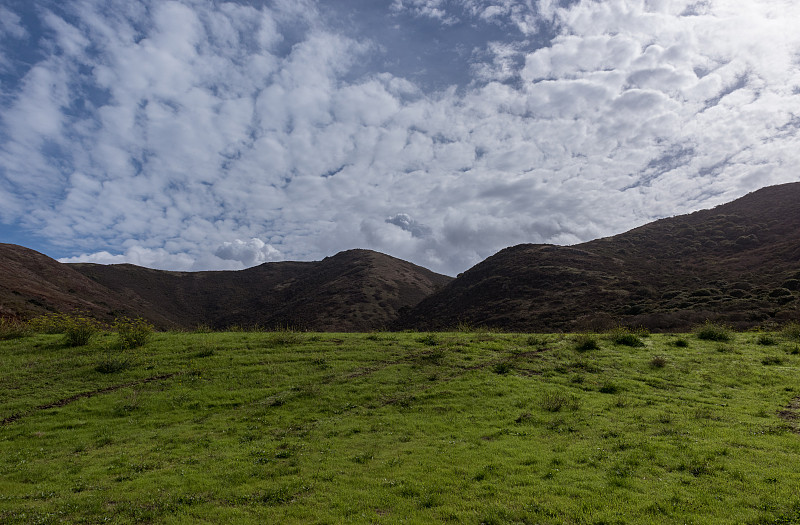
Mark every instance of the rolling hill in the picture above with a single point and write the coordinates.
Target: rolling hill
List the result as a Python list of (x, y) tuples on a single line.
[(356, 290), (738, 263)]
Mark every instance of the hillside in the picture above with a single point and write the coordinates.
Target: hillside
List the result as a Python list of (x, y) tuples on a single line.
[(33, 284), (355, 290), (738, 262)]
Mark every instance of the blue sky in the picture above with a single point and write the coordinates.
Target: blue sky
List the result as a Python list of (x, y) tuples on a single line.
[(194, 135)]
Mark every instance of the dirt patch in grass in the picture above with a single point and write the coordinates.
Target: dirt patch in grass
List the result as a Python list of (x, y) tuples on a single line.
[(791, 414)]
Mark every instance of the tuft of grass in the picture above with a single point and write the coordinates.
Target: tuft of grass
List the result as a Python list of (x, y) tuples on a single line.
[(536, 340), (625, 336), (658, 361), (283, 336), (586, 342), (609, 387), (710, 331), (503, 367), (428, 339), (111, 365), (680, 343), (557, 401)]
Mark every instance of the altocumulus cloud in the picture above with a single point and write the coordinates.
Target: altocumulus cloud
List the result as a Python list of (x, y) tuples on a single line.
[(218, 135)]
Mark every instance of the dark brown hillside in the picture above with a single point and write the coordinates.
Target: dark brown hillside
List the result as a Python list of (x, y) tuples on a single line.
[(739, 262), (33, 284), (356, 290)]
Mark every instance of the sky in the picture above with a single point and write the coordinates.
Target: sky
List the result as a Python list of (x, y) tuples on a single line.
[(199, 135)]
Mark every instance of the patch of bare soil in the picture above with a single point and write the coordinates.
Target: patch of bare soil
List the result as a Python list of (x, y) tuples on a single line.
[(791, 414)]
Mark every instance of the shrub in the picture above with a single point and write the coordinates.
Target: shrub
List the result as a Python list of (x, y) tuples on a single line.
[(12, 328), (658, 361), (766, 340), (681, 343), (132, 333), (52, 323), (791, 331), (586, 342), (79, 330), (709, 331), (624, 336)]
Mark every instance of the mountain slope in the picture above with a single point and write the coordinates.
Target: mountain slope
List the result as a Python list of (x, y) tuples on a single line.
[(355, 290), (739, 262), (33, 284)]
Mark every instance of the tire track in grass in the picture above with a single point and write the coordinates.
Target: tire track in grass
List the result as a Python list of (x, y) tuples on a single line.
[(83, 395)]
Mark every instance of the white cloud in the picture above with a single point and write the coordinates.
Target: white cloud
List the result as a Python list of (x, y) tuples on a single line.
[(197, 136), (159, 259), (249, 253)]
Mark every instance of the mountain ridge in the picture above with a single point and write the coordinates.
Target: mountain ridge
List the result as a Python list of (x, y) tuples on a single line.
[(354, 290), (728, 263), (737, 263)]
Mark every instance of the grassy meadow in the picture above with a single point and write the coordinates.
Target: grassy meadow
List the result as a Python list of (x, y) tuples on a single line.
[(467, 427)]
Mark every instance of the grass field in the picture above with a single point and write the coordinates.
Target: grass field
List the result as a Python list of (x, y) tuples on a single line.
[(468, 427)]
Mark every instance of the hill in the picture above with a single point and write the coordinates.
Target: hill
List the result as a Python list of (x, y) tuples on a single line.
[(737, 263), (32, 284), (356, 290)]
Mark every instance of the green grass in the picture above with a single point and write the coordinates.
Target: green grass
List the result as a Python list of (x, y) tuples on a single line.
[(476, 427)]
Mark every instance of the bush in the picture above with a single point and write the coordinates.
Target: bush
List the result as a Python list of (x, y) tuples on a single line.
[(658, 361), (791, 331), (12, 328), (766, 340), (709, 331), (586, 342), (53, 323), (624, 336), (79, 330), (132, 333), (681, 343)]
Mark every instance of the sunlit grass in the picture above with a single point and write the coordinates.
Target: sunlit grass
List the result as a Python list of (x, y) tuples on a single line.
[(472, 427)]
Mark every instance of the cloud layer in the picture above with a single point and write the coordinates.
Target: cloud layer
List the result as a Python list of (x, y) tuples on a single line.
[(192, 135)]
